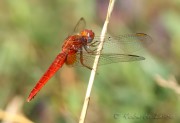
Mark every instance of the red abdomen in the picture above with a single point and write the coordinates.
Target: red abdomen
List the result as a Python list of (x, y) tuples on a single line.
[(57, 63)]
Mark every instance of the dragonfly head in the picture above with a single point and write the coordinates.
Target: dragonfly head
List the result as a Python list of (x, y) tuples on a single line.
[(88, 34)]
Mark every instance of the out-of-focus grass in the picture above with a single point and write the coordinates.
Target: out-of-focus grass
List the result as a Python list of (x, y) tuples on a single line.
[(31, 35)]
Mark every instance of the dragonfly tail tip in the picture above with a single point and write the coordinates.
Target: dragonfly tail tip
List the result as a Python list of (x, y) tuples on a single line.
[(29, 99)]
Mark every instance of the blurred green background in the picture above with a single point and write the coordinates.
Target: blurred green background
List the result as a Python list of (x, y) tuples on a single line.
[(31, 35)]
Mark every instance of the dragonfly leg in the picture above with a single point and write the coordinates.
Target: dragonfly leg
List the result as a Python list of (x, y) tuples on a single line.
[(94, 44), (81, 60), (90, 51)]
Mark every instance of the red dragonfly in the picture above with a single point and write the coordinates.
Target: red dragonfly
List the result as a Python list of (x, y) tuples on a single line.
[(80, 48)]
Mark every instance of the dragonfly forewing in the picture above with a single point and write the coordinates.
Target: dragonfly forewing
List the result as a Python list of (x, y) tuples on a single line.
[(124, 44)]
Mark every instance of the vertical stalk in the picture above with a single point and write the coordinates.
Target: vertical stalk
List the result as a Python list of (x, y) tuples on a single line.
[(93, 72)]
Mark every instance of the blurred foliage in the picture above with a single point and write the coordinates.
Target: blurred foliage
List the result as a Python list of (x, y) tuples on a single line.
[(31, 35)]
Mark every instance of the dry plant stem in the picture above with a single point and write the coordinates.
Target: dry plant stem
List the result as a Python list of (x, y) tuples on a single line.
[(93, 72), (171, 83), (11, 114), (13, 118)]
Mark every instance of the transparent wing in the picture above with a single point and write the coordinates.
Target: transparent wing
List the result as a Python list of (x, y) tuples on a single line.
[(88, 59), (81, 24), (123, 44), (115, 49)]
